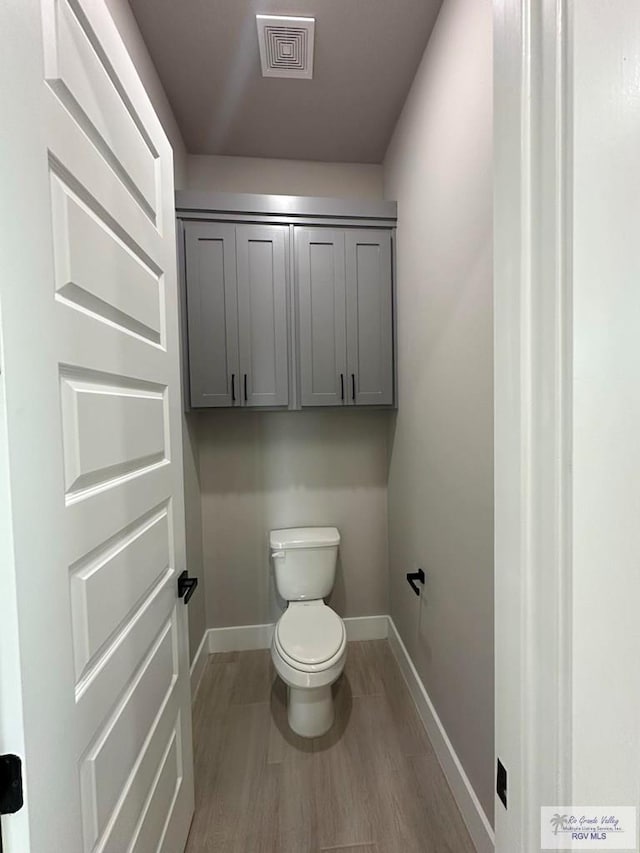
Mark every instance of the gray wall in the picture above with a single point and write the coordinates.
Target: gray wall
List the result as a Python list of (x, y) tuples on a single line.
[(284, 177), (260, 470), (193, 518), (128, 28), (439, 168)]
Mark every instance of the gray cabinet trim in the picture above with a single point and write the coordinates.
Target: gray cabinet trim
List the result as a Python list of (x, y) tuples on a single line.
[(184, 325), (294, 346), (278, 219), (292, 208)]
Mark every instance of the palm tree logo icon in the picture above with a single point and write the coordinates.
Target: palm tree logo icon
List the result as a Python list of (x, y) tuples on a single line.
[(558, 821)]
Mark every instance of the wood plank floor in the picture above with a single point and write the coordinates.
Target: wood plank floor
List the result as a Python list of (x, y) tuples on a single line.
[(371, 785)]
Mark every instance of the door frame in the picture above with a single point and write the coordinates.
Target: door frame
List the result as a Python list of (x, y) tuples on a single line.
[(11, 708), (533, 396)]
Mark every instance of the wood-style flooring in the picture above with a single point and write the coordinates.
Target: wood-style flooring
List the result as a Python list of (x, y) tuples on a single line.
[(371, 785)]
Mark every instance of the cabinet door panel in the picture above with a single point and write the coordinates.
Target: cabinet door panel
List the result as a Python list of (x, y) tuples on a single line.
[(212, 313), (262, 314), (321, 308), (369, 317)]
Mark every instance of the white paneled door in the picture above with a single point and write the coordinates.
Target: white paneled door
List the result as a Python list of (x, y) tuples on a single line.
[(93, 661)]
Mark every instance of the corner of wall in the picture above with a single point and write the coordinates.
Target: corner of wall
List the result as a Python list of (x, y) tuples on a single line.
[(193, 530), (439, 168), (125, 21)]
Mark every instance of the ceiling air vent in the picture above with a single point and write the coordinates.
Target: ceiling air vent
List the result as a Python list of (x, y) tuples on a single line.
[(286, 46)]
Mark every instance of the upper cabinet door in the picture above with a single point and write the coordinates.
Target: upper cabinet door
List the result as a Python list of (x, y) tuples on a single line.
[(262, 314), (212, 313), (369, 317), (320, 276)]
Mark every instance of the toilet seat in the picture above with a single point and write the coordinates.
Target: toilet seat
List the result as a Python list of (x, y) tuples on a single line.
[(310, 636)]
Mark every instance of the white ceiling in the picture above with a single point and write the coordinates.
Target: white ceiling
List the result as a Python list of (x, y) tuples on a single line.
[(366, 54)]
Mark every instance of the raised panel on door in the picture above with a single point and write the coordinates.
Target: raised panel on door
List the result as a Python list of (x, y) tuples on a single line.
[(320, 275), (369, 317), (212, 313), (262, 314)]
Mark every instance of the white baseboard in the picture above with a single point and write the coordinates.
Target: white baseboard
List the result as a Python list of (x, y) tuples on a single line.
[(366, 627), (198, 665), (472, 812), (245, 637), (240, 639)]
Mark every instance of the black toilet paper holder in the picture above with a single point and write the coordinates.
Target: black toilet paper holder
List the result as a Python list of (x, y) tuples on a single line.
[(412, 577)]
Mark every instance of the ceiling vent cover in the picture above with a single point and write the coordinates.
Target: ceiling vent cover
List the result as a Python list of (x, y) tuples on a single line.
[(286, 46)]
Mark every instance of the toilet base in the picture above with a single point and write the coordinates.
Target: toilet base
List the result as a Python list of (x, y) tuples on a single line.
[(310, 710)]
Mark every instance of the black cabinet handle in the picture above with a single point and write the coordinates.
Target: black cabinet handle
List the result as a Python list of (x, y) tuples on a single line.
[(233, 387), (353, 387), (186, 586), (342, 386), (245, 388)]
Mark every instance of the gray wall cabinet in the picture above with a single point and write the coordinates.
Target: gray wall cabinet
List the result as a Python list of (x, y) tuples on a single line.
[(369, 317), (289, 301), (262, 314), (345, 310), (212, 312), (320, 279), (236, 281)]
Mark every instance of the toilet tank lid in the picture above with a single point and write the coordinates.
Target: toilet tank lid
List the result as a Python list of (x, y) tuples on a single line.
[(304, 537)]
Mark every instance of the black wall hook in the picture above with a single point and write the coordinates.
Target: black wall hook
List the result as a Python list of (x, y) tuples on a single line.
[(412, 577)]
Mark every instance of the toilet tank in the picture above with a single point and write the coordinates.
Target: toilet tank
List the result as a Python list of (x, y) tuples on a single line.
[(304, 561)]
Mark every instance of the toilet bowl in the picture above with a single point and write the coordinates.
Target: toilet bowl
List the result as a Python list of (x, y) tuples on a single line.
[(309, 650), (309, 646)]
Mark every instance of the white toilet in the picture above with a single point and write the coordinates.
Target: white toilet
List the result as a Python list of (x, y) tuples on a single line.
[(309, 645)]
